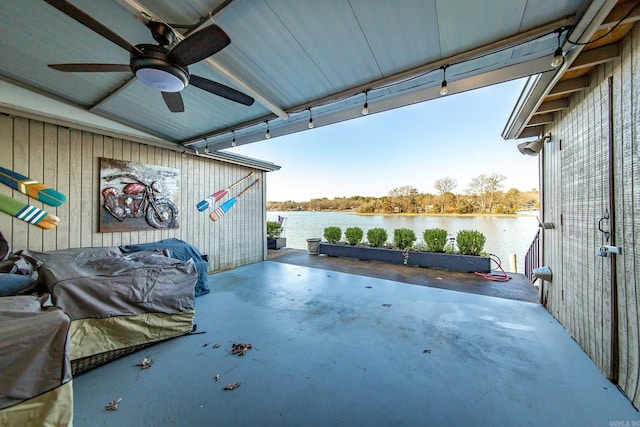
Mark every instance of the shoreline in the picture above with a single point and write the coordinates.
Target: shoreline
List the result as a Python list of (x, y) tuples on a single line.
[(458, 215)]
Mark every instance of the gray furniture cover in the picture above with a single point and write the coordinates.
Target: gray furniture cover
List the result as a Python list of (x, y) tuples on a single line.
[(104, 282), (117, 300), (34, 366)]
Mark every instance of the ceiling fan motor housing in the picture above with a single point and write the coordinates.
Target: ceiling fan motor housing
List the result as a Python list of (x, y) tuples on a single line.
[(154, 70)]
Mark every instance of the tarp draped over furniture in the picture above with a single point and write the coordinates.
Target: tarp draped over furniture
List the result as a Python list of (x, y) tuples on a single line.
[(181, 250), (36, 386), (116, 300)]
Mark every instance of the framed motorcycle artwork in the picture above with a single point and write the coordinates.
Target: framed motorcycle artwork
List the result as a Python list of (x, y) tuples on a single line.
[(136, 197)]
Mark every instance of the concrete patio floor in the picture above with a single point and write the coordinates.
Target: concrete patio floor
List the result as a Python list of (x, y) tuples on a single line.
[(333, 348)]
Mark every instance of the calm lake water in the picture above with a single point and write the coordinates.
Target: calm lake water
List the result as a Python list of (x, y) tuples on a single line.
[(505, 235)]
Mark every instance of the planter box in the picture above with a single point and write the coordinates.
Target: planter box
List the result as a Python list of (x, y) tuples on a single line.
[(452, 262), (362, 252), (277, 243)]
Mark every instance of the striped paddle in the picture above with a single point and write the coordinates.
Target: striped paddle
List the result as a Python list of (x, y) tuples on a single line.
[(31, 188), (224, 208), (28, 213), (204, 204)]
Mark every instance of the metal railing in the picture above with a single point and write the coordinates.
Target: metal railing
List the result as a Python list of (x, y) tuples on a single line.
[(532, 258)]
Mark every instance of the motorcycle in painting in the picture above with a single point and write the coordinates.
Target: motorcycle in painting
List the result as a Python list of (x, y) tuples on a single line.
[(139, 199)]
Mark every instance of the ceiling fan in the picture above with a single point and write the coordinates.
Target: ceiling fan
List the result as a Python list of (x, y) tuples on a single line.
[(157, 66)]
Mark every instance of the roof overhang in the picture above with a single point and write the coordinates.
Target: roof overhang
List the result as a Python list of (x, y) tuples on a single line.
[(546, 93), (296, 58)]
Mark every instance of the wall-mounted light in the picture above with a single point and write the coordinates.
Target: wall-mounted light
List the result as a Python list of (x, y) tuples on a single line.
[(233, 141), (532, 148), (365, 108), (310, 125), (558, 56), (268, 132), (443, 87)]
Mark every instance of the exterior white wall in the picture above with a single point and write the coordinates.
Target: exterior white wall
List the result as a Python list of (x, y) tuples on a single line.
[(575, 168), (68, 160)]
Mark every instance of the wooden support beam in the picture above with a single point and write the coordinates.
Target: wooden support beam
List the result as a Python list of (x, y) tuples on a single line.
[(530, 132), (540, 119), (564, 87), (600, 55), (551, 106), (618, 13)]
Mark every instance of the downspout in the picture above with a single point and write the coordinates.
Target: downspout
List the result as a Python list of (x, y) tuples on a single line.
[(543, 218), (614, 366)]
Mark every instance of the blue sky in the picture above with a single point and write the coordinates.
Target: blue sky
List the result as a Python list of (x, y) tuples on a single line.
[(455, 136)]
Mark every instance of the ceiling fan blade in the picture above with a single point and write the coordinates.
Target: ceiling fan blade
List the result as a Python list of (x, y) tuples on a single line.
[(220, 90), (199, 45), (91, 23), (91, 68), (173, 101)]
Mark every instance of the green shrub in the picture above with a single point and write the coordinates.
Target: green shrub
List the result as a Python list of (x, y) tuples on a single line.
[(377, 237), (470, 242), (333, 234), (403, 238), (274, 229), (354, 235), (435, 239)]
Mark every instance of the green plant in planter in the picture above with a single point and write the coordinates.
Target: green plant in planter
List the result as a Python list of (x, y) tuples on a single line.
[(354, 235), (403, 238), (435, 239), (274, 229), (470, 242), (377, 237), (332, 234)]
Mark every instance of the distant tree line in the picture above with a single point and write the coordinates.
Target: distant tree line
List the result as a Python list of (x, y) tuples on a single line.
[(483, 195)]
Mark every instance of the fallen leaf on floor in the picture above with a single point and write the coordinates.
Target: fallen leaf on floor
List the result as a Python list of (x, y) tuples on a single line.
[(240, 349), (386, 305), (145, 364), (426, 351), (369, 287), (215, 346), (232, 386), (217, 377), (113, 405)]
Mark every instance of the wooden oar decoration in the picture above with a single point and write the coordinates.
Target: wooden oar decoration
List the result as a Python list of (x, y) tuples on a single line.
[(204, 204), (28, 213), (31, 188), (224, 208)]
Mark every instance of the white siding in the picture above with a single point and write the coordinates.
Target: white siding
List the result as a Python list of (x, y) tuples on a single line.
[(69, 161)]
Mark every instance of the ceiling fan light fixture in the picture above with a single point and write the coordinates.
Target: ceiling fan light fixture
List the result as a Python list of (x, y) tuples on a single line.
[(160, 80), (153, 69)]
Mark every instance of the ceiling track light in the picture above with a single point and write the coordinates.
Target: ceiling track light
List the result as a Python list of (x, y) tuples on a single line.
[(365, 108), (267, 134), (443, 87), (558, 56), (310, 125), (233, 141)]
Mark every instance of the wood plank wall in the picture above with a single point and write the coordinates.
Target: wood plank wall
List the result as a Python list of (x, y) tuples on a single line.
[(576, 195), (69, 160)]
